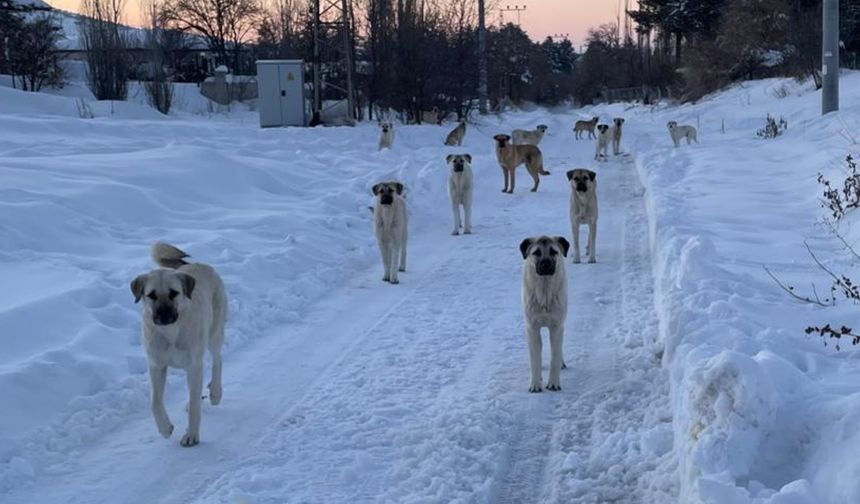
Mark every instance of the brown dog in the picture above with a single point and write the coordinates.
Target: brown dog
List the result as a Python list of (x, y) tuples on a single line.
[(588, 126), (510, 156)]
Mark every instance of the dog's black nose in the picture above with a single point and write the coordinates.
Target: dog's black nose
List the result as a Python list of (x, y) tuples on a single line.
[(165, 315), (581, 187), (386, 199), (545, 267)]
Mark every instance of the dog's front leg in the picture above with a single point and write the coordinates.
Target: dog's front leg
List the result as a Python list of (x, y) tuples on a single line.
[(455, 210), (533, 334), (505, 175), (556, 340), (394, 260), (592, 241), (194, 377), (386, 262), (157, 379), (467, 211), (403, 243), (513, 180), (575, 231)]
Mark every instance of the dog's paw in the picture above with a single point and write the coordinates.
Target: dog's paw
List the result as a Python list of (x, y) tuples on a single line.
[(555, 387), (402, 269), (394, 281), (592, 260), (534, 190), (535, 388), (456, 232), (190, 439), (215, 395), (576, 260), (468, 231), (386, 279), (166, 430)]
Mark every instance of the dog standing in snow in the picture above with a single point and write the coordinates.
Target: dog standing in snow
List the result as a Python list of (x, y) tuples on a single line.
[(588, 126), (604, 137), (616, 135), (511, 156), (386, 135), (677, 132), (544, 296), (460, 190), (184, 312), (529, 137), (390, 223), (583, 210), (455, 137)]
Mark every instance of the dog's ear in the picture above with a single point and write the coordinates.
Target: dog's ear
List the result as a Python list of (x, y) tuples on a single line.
[(524, 247), (468, 158), (564, 244), (449, 158), (375, 189), (137, 286), (399, 187), (188, 284), (569, 174), (372, 212), (592, 175)]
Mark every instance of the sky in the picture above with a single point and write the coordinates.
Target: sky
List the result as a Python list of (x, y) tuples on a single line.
[(540, 18)]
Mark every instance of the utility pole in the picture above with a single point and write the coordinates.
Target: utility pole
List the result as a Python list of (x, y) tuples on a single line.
[(482, 58), (830, 57), (515, 8)]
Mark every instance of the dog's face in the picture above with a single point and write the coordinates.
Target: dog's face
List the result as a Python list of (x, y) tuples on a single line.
[(602, 128), (385, 191), (386, 126), (618, 121), (165, 294), (542, 128), (458, 162), (502, 140), (672, 125), (545, 253), (581, 180)]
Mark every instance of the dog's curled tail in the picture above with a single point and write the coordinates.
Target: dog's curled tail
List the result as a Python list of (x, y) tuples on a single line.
[(167, 256)]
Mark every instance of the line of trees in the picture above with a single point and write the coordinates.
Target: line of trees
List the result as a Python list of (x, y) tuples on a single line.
[(28, 43)]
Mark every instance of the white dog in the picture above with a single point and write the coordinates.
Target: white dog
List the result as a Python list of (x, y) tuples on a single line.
[(184, 312), (386, 135), (583, 210), (529, 137), (460, 190), (678, 132), (390, 224), (604, 137), (616, 135), (544, 295)]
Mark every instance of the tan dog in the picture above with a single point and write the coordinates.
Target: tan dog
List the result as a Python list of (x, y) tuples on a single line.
[(583, 210), (430, 116), (511, 156), (386, 135), (390, 224), (588, 126), (544, 297), (678, 132), (616, 135), (604, 137), (184, 312), (529, 137), (455, 137), (460, 190)]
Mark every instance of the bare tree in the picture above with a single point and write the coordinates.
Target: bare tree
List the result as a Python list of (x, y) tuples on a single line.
[(106, 43), (32, 53), (279, 28), (227, 25), (160, 43)]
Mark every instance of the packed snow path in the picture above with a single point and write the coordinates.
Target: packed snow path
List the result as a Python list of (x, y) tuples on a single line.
[(418, 392)]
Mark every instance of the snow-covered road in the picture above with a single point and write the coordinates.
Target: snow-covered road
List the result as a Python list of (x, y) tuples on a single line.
[(418, 392)]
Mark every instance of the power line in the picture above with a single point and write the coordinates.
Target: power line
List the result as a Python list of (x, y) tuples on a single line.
[(516, 8)]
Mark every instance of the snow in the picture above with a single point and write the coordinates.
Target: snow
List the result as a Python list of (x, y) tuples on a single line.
[(690, 379)]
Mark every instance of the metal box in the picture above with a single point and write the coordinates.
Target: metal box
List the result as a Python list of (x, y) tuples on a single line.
[(281, 100)]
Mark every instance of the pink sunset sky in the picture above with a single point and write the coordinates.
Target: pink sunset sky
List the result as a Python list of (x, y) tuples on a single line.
[(541, 17)]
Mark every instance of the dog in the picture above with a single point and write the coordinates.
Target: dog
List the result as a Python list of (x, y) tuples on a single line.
[(511, 156), (529, 137), (386, 135), (583, 210), (184, 312), (604, 137), (588, 126), (616, 135), (544, 296), (390, 224), (678, 132), (430, 116), (460, 190), (455, 137)]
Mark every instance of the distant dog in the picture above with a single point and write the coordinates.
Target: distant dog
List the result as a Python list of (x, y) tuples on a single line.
[(604, 137), (460, 190), (390, 224), (511, 156), (455, 137), (583, 210), (430, 116), (544, 296), (678, 132), (588, 126), (616, 135), (184, 312), (529, 137), (386, 135)]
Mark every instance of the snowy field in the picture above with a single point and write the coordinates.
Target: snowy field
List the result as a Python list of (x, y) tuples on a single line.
[(690, 379)]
